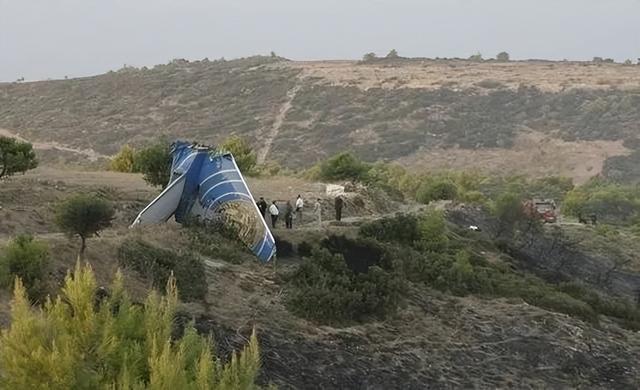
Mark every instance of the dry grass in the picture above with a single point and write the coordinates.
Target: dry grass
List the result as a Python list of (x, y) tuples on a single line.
[(533, 154), (431, 74)]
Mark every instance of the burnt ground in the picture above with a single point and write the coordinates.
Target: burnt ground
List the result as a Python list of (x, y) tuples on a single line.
[(436, 341), (557, 256)]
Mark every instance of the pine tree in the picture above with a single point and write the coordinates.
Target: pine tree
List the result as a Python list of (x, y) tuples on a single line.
[(78, 341)]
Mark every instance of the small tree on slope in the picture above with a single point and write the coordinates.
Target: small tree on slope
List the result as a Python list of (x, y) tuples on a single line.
[(84, 216)]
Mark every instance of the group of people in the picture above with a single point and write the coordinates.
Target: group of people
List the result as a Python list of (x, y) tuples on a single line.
[(290, 213)]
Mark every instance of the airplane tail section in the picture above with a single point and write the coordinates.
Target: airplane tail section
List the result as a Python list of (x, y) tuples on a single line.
[(164, 205)]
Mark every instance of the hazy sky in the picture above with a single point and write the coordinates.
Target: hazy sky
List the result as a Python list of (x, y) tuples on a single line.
[(53, 38)]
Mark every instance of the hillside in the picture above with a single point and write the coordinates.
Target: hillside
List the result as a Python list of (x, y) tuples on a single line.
[(437, 338), (536, 117)]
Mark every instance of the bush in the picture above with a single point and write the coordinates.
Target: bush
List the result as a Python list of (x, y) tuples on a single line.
[(305, 249), (477, 57), (359, 254), (16, 156), (503, 57), (402, 228), (158, 265), (433, 233), (369, 57), (610, 202), (78, 342), (84, 216), (326, 290), (124, 161), (155, 164), (393, 54), (27, 259), (508, 210), (436, 189), (284, 248), (343, 166), (243, 153)]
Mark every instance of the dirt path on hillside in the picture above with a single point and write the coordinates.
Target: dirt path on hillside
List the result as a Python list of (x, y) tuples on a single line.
[(90, 154), (277, 123)]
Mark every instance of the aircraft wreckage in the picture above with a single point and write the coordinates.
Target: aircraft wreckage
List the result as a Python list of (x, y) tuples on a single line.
[(208, 186)]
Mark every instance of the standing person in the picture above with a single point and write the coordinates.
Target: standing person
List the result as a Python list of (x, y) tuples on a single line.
[(288, 215), (317, 210), (339, 204), (273, 211), (262, 206), (299, 207)]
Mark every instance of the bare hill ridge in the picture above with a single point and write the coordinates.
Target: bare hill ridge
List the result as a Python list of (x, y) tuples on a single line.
[(297, 113)]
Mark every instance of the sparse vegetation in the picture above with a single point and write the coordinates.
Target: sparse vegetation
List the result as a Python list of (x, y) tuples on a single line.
[(79, 342), (16, 157), (84, 216), (157, 265)]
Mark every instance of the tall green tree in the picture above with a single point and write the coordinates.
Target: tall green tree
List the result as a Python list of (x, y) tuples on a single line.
[(16, 156), (84, 216), (79, 341)]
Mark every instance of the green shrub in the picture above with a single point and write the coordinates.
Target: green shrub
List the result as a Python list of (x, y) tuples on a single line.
[(503, 56), (27, 259), (242, 153), (326, 290), (16, 156), (343, 166), (611, 202), (155, 164), (304, 249), (77, 342), (436, 189), (433, 232), (359, 254), (159, 264), (402, 228)]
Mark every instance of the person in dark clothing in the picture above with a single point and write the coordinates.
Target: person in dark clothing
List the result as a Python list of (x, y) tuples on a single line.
[(288, 215), (594, 219), (262, 206), (339, 204)]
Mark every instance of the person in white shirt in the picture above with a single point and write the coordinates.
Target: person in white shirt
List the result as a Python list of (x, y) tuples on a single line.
[(299, 207), (273, 211), (317, 210)]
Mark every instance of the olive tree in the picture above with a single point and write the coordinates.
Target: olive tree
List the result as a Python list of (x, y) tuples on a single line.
[(16, 156), (84, 216)]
